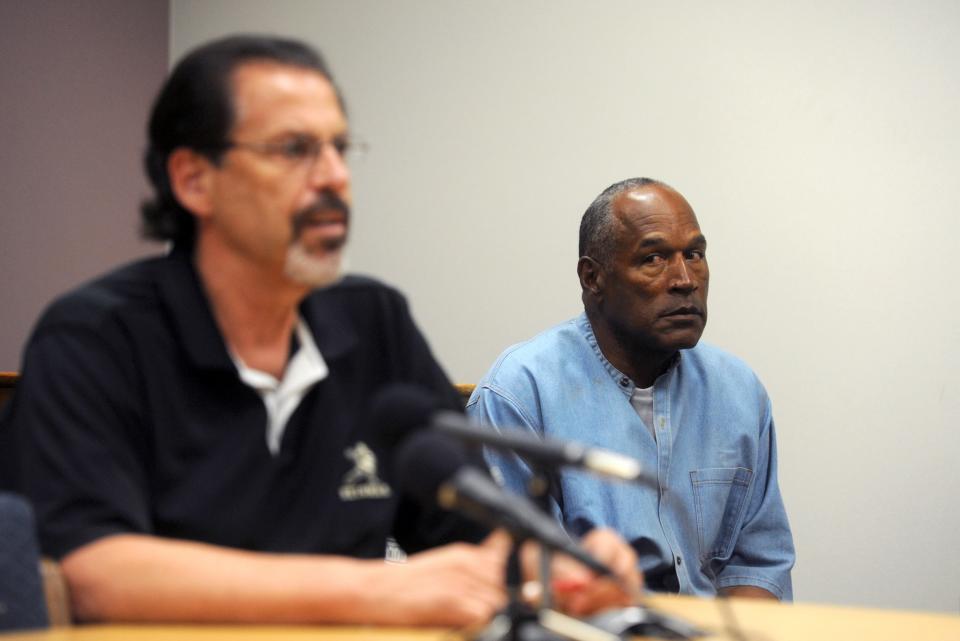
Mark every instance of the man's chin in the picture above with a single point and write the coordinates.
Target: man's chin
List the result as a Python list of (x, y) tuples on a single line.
[(683, 340), (314, 269)]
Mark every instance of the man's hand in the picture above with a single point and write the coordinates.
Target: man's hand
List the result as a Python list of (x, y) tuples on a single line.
[(143, 578), (578, 591), (463, 584), (457, 585)]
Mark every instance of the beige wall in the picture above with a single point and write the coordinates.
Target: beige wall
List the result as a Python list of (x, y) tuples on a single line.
[(76, 80), (818, 143)]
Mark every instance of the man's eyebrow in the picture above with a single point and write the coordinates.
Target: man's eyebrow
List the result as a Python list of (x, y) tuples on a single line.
[(652, 241), (304, 133), (658, 240)]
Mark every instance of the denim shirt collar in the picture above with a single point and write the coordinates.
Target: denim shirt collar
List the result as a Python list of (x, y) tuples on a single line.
[(623, 382)]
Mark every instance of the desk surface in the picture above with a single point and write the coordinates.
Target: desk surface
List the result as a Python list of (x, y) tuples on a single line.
[(230, 633), (757, 620), (760, 620)]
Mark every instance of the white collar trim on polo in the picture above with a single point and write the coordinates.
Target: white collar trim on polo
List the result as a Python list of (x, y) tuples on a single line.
[(282, 397)]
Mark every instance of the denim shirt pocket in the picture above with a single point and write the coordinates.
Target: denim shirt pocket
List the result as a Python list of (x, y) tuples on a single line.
[(719, 495)]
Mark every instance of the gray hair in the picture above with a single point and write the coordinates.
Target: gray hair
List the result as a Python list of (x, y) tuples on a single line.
[(596, 226)]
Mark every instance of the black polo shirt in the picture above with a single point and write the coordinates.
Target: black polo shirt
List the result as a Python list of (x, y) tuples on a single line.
[(130, 417)]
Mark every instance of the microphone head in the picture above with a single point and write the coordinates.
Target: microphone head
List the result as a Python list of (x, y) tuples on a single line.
[(398, 410), (424, 462)]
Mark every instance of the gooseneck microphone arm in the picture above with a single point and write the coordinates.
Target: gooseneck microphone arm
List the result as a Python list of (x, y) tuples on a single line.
[(545, 453), (472, 492), (401, 409), (435, 470)]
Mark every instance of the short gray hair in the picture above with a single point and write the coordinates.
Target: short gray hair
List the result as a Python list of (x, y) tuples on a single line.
[(596, 226)]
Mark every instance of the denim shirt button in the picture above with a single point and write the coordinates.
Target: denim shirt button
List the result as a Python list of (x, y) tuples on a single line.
[(679, 561), (624, 381)]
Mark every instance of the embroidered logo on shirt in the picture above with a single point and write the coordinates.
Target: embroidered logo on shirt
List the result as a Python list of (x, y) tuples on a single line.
[(394, 553), (362, 481)]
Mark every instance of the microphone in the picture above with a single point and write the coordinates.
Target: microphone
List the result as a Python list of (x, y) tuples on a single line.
[(401, 408), (544, 452), (435, 470)]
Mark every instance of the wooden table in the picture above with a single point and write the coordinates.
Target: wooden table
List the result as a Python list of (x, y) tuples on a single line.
[(757, 620), (770, 621), (230, 633)]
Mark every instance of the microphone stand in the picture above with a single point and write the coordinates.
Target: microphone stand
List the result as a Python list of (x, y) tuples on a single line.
[(538, 489), (523, 622)]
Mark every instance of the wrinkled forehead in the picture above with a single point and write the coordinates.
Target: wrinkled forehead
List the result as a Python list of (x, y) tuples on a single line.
[(654, 210)]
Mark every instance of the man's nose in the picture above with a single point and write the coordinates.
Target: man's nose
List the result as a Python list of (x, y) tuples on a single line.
[(330, 170), (680, 278)]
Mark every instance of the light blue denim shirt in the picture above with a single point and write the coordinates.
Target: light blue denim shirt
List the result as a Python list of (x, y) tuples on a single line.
[(716, 515)]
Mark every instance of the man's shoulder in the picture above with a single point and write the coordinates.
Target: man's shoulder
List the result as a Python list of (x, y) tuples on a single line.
[(128, 289), (357, 306), (543, 352), (358, 289), (515, 378), (357, 293)]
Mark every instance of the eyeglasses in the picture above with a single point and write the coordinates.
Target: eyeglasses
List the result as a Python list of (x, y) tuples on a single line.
[(304, 150)]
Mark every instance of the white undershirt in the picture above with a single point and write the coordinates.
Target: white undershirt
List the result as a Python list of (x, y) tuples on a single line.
[(281, 397), (642, 401)]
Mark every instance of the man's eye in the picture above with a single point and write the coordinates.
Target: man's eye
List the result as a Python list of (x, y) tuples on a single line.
[(696, 254), (652, 259), (298, 148), (342, 145)]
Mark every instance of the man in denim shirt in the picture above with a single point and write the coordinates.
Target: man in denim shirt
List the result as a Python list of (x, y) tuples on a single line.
[(628, 375)]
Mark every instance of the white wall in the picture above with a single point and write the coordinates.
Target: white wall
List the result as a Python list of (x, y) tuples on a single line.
[(818, 143)]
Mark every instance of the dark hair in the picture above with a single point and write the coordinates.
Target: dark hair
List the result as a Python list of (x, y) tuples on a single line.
[(195, 110), (596, 226)]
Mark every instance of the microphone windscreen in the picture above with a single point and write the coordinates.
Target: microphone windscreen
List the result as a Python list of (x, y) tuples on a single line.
[(424, 462), (398, 410)]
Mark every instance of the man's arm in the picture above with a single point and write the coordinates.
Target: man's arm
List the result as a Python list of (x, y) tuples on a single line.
[(747, 591), (763, 555), (132, 577)]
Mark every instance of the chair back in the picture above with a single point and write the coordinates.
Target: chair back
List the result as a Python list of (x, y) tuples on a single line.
[(8, 381), (22, 601), (465, 390)]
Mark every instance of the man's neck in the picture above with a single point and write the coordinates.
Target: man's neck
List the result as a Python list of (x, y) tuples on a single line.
[(255, 309), (643, 366)]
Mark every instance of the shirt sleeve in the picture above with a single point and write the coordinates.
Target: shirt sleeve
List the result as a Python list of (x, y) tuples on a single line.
[(80, 457), (763, 554), (494, 406)]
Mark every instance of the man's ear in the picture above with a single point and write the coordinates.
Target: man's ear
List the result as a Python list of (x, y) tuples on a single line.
[(591, 276), (190, 179)]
